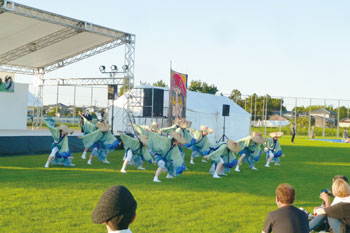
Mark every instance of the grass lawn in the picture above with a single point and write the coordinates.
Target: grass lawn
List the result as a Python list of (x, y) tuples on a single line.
[(35, 199)]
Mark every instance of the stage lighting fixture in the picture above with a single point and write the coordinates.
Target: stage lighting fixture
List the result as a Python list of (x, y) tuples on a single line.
[(102, 68), (114, 68), (125, 67)]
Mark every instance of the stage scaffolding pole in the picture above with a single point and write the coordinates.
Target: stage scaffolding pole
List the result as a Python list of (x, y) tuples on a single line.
[(281, 114), (58, 85), (74, 107)]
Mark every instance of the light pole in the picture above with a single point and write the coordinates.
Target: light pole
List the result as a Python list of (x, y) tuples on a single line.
[(114, 88)]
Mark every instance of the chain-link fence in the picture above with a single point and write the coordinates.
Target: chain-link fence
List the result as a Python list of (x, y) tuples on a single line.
[(311, 116)]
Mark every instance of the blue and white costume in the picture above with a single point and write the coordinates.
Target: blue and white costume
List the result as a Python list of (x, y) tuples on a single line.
[(167, 154), (251, 150), (136, 152), (101, 142), (60, 153), (273, 148)]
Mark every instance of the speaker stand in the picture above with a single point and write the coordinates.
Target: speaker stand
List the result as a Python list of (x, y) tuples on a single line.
[(223, 137)]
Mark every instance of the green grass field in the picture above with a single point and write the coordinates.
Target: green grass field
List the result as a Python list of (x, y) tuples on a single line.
[(35, 199)]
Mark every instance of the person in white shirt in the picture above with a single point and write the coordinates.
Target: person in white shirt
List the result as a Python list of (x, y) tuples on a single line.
[(116, 209)]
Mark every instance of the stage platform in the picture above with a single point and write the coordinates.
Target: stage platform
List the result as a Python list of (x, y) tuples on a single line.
[(28, 142)]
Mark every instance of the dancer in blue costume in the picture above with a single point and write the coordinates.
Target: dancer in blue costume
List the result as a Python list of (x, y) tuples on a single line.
[(136, 151), (87, 127), (167, 154), (101, 141), (200, 143), (273, 149), (251, 150), (181, 126), (60, 153), (223, 157)]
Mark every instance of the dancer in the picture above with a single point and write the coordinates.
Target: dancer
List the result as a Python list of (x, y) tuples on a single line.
[(60, 153), (87, 127), (273, 149), (251, 150), (181, 126), (201, 145), (136, 151), (223, 157), (101, 141), (167, 154), (145, 129)]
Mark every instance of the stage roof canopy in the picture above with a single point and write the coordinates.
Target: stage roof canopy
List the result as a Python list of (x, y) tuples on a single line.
[(34, 41)]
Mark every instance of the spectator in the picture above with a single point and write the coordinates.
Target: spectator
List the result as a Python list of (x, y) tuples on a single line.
[(341, 191), (116, 209), (312, 133), (345, 134), (287, 218), (293, 132)]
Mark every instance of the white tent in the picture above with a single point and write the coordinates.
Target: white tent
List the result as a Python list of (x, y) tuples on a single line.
[(202, 109)]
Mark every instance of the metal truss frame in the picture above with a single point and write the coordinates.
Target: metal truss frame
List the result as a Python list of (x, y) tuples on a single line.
[(72, 27)]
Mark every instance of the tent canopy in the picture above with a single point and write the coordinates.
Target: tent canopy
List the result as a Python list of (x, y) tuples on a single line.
[(202, 109), (35, 41)]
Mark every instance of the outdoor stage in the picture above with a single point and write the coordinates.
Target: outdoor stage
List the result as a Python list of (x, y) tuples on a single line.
[(28, 142)]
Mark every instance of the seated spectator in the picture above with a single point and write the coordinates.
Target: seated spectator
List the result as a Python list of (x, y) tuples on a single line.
[(336, 214), (320, 222), (287, 218), (116, 209)]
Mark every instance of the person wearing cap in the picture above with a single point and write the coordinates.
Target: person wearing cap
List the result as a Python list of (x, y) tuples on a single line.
[(251, 150), (167, 154), (87, 127), (136, 151), (101, 141), (201, 145), (273, 148), (223, 157), (116, 209), (60, 153)]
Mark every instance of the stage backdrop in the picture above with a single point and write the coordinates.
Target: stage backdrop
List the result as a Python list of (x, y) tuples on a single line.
[(177, 96), (13, 108), (7, 82)]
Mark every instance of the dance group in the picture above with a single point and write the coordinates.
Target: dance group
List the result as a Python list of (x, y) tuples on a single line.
[(165, 147)]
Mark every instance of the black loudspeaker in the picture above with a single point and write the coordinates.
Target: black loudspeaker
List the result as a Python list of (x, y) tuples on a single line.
[(157, 102), (112, 92), (225, 110)]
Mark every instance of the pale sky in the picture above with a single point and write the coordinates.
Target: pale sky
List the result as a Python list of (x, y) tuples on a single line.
[(281, 48)]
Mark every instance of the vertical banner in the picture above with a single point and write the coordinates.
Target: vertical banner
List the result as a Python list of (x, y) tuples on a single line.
[(177, 96), (7, 82)]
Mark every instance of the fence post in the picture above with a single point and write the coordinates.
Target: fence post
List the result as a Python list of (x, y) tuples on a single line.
[(265, 114), (310, 117), (324, 119), (255, 110), (295, 113), (338, 119)]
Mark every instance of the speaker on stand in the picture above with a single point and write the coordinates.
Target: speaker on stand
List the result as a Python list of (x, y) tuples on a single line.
[(225, 113)]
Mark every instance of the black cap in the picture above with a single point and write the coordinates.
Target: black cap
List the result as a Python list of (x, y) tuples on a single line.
[(113, 202)]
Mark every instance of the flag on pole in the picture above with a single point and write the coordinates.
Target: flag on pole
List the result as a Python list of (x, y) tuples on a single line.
[(177, 96)]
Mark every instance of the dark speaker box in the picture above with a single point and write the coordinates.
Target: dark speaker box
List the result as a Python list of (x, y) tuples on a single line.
[(157, 102), (225, 110)]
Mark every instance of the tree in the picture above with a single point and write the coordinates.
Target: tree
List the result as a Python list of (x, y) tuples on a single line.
[(235, 95), (199, 86), (124, 88), (160, 83)]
